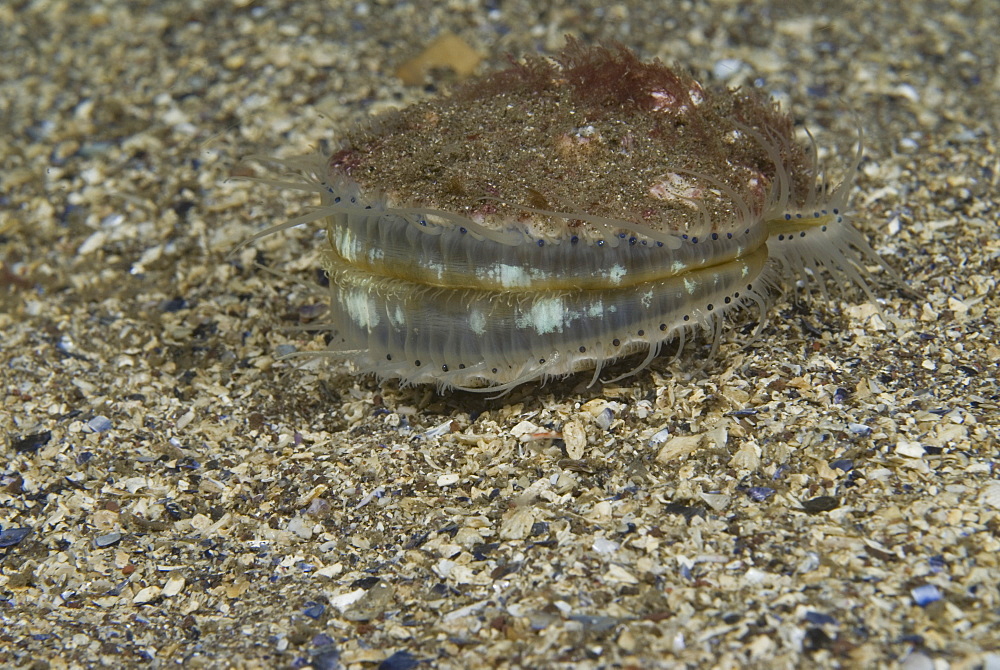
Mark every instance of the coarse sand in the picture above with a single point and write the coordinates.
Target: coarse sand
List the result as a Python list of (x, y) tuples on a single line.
[(174, 492)]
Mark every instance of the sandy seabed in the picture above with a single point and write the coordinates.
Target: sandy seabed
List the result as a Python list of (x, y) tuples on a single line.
[(173, 492)]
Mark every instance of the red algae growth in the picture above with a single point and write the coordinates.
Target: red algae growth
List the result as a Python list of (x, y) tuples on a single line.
[(561, 214)]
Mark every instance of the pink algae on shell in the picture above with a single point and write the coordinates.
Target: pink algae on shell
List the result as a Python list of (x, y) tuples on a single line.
[(563, 213)]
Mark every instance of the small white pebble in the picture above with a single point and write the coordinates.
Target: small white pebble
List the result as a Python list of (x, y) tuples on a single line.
[(909, 449), (448, 479), (727, 68), (575, 437)]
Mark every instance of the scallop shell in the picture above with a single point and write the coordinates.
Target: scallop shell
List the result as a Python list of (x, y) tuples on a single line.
[(563, 213)]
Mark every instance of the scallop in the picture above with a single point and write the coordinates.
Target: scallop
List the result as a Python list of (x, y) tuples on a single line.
[(561, 214)]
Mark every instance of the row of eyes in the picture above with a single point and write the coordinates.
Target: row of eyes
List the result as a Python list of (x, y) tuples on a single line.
[(615, 342), (632, 240)]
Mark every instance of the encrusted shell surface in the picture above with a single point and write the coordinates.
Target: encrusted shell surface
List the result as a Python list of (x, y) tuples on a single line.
[(562, 213)]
